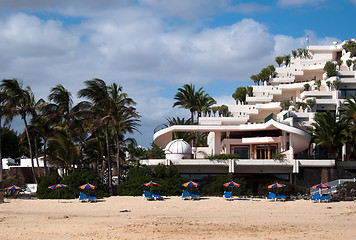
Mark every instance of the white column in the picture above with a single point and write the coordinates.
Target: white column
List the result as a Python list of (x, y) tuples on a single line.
[(343, 152), (217, 143), (291, 145)]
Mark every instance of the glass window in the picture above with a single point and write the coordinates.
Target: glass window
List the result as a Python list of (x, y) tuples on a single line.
[(242, 151)]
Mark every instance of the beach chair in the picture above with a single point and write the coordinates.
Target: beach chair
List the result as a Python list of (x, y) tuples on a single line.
[(147, 195), (271, 196), (315, 197), (156, 195), (195, 195), (325, 198), (185, 195), (227, 195), (281, 197), (83, 197), (92, 197)]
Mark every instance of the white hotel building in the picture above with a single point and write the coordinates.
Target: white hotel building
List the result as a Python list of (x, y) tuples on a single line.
[(260, 128)]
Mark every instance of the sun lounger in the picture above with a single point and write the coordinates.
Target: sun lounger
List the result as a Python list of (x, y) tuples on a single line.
[(185, 195), (147, 195), (195, 195), (83, 197), (315, 197), (271, 196), (281, 197), (92, 197), (325, 198), (156, 195), (227, 195)]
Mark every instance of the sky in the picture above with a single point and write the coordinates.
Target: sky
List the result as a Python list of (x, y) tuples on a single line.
[(153, 47)]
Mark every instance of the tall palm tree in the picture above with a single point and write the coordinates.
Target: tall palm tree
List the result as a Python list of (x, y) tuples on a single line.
[(20, 102), (328, 132), (61, 104), (186, 98), (203, 100)]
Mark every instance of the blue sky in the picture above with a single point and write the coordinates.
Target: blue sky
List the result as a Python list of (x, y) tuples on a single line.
[(153, 47)]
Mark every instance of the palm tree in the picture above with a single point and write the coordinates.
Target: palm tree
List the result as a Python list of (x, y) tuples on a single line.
[(20, 102), (186, 136), (203, 100), (348, 64), (186, 98), (328, 132), (61, 105), (286, 59), (255, 79), (240, 95), (348, 116), (279, 61)]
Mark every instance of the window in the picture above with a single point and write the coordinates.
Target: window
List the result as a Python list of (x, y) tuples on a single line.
[(242, 151)]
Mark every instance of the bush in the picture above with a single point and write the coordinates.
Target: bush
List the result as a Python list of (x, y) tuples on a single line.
[(289, 190), (346, 191), (223, 156), (167, 176), (216, 187), (73, 180)]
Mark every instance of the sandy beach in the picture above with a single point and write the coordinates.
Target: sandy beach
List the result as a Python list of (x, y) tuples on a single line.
[(208, 218)]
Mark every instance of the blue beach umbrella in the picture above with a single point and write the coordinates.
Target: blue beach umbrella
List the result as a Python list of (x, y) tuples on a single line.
[(13, 187), (58, 186), (232, 184), (190, 184)]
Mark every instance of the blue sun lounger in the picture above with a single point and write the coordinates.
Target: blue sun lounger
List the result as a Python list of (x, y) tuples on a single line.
[(147, 195), (281, 197), (228, 195), (195, 195), (325, 198), (271, 196), (185, 195), (83, 197), (315, 197), (156, 195), (92, 197)]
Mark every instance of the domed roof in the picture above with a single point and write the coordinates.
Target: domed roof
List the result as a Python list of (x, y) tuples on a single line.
[(178, 146)]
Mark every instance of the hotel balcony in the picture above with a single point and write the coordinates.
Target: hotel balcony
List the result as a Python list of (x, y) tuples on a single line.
[(238, 119), (324, 94), (260, 99)]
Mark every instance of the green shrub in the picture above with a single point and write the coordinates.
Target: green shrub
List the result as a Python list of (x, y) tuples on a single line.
[(223, 156), (167, 176), (73, 180), (216, 188), (289, 190)]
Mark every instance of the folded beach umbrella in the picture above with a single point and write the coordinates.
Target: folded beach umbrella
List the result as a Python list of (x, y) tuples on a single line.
[(321, 185), (190, 184), (13, 187), (88, 186), (57, 186), (151, 184), (277, 185), (232, 184)]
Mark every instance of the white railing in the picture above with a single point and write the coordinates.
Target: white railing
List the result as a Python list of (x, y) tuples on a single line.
[(333, 186)]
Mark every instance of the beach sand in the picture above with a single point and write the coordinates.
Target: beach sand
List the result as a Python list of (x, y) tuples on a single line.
[(208, 218)]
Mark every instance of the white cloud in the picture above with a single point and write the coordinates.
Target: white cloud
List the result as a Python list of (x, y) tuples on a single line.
[(138, 49), (299, 2)]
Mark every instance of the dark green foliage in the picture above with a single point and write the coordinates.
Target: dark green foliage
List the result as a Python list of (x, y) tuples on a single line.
[(9, 143), (216, 187), (167, 176), (285, 104), (289, 190), (330, 69), (73, 180), (350, 46), (223, 156), (346, 191), (43, 192)]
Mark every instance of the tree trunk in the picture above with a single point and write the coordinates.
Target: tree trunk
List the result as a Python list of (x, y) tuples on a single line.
[(109, 158), (192, 116), (118, 158), (30, 149), (45, 156), (36, 156)]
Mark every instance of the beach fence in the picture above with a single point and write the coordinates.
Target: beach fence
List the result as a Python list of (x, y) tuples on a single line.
[(333, 186)]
